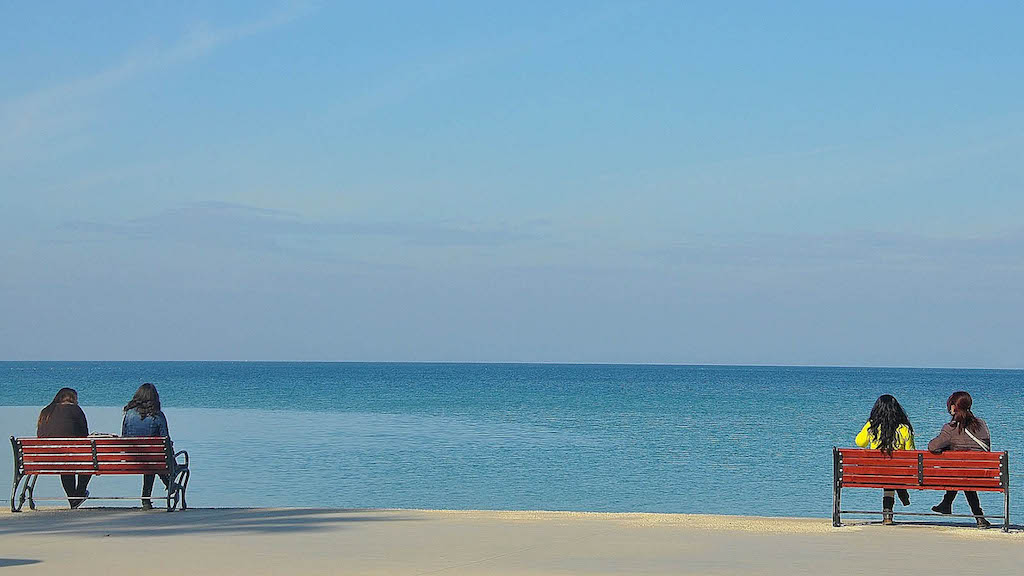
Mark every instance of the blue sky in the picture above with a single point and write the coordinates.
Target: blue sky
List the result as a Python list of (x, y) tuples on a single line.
[(797, 183)]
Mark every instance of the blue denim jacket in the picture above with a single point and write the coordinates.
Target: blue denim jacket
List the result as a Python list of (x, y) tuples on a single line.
[(134, 425)]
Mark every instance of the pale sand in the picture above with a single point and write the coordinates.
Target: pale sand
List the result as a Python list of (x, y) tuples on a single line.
[(415, 542)]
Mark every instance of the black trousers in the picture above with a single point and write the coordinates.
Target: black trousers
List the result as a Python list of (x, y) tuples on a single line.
[(889, 493), (147, 484), (74, 487), (972, 501)]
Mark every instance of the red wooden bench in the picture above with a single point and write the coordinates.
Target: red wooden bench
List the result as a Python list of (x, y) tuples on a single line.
[(920, 470), (35, 457)]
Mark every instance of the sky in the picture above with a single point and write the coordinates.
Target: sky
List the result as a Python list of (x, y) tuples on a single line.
[(652, 182)]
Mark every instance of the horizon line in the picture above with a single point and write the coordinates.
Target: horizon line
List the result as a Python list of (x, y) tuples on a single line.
[(522, 362)]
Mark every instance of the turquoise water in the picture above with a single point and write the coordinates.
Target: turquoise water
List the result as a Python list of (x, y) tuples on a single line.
[(698, 439)]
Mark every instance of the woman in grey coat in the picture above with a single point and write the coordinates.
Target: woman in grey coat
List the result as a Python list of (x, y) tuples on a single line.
[(964, 431)]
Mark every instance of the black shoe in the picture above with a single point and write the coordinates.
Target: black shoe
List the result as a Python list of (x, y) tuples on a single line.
[(904, 498), (147, 505), (887, 503), (983, 523), (76, 502), (942, 510)]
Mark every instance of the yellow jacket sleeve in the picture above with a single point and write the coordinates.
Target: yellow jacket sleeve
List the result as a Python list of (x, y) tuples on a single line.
[(863, 439), (908, 438)]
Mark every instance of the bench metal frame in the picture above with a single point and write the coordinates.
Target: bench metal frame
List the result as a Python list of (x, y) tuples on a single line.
[(177, 471), (961, 485)]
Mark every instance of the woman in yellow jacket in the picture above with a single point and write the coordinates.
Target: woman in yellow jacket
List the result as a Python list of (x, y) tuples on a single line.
[(888, 429)]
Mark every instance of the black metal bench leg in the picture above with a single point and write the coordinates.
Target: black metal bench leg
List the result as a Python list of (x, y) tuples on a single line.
[(836, 500), (30, 489), (1006, 510), (15, 507), (183, 486), (1004, 473), (837, 489)]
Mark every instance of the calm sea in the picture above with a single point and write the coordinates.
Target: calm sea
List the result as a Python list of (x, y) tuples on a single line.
[(697, 439)]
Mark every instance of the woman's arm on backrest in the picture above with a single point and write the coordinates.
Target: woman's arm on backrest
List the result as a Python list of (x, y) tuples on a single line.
[(942, 441)]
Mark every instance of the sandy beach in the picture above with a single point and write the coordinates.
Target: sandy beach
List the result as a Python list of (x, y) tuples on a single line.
[(419, 542)]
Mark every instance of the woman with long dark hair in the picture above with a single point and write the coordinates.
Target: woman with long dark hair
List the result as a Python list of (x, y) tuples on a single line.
[(143, 417), (964, 431), (64, 418), (888, 429)]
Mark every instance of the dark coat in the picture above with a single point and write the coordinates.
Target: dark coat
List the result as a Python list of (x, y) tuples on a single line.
[(950, 438), (65, 421)]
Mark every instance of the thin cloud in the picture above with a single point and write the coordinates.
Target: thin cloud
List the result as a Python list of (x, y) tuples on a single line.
[(222, 223), (407, 79), (874, 250), (47, 117)]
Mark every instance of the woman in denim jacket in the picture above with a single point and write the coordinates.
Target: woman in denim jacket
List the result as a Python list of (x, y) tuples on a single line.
[(143, 417)]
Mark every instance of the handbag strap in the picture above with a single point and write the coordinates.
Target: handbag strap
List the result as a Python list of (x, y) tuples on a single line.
[(975, 438)]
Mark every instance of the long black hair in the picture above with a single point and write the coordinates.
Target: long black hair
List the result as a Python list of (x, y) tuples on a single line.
[(886, 417), (146, 401)]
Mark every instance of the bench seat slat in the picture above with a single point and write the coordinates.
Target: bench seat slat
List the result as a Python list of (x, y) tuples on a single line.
[(849, 477), (56, 450), (104, 440), (131, 448), (30, 471), (964, 464), (950, 456), (961, 473), (883, 481), (101, 471), (904, 483), (55, 441), (132, 457), (36, 466), (928, 472), (915, 486), (928, 481), (83, 457), (86, 468), (131, 469), (880, 469)]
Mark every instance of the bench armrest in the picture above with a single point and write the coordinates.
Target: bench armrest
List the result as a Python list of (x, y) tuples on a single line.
[(179, 453)]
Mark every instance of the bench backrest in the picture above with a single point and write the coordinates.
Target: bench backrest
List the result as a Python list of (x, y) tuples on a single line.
[(920, 469), (94, 455)]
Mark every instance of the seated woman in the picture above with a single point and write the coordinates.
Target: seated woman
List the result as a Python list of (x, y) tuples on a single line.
[(143, 417), (888, 429), (964, 431), (64, 418)]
